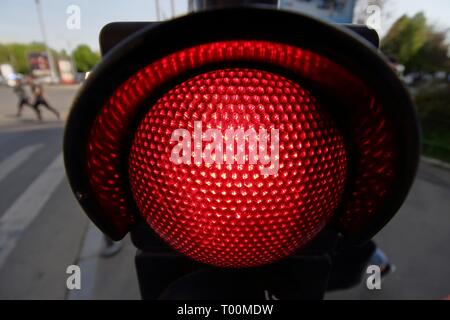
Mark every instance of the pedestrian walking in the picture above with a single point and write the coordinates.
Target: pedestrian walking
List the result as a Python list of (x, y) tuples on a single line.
[(24, 98), (41, 100)]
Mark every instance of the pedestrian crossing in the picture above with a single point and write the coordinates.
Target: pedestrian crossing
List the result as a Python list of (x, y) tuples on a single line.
[(27, 206), (16, 159), (42, 228)]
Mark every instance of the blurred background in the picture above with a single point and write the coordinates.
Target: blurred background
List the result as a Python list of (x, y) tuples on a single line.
[(48, 47)]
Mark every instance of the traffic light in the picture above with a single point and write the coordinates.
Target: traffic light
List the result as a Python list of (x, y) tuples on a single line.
[(239, 135)]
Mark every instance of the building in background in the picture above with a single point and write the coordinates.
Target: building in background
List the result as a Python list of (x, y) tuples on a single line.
[(7, 75), (339, 11), (66, 72), (39, 64)]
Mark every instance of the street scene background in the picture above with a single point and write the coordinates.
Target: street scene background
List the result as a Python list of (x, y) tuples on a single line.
[(43, 230)]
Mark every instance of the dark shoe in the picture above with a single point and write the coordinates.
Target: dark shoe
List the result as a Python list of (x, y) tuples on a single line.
[(380, 259), (111, 250)]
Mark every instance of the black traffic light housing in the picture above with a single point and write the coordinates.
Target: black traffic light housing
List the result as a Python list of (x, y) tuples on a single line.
[(128, 47)]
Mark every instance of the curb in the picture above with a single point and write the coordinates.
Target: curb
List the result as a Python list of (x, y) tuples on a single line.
[(435, 162)]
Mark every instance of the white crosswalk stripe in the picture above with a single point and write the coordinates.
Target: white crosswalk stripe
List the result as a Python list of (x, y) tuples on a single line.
[(27, 207), (14, 161)]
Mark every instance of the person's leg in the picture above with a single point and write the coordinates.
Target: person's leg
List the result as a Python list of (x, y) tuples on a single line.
[(35, 107), (49, 107), (20, 105)]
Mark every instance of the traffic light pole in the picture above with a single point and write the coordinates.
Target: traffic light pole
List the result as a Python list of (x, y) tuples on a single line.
[(166, 274), (51, 60)]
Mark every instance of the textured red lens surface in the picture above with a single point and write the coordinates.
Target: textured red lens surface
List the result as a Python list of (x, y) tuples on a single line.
[(232, 215), (369, 135)]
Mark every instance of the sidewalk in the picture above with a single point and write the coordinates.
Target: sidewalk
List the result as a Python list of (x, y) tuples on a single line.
[(105, 278)]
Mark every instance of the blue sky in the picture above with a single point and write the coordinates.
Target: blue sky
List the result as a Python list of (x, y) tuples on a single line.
[(437, 11), (19, 22)]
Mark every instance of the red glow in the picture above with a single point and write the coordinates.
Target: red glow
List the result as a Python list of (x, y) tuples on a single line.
[(372, 146), (231, 215)]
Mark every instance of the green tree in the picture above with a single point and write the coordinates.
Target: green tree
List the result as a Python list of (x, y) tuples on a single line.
[(85, 58), (433, 55), (416, 45), (433, 107), (18, 57), (406, 37), (4, 54), (17, 54)]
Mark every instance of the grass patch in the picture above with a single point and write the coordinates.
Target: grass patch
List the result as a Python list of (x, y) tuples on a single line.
[(433, 105)]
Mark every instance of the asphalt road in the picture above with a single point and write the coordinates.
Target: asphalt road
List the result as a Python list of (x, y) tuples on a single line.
[(43, 230)]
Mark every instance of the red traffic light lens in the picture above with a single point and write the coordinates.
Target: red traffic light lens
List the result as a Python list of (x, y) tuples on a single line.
[(347, 136), (368, 136), (230, 213), (116, 143)]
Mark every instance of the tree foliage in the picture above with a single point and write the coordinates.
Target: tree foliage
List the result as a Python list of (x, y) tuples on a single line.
[(4, 54), (16, 54), (416, 45), (433, 107), (433, 55), (85, 58)]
